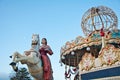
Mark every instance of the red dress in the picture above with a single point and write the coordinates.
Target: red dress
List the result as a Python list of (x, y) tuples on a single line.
[(46, 62)]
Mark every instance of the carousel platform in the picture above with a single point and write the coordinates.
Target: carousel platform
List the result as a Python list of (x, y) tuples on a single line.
[(109, 73)]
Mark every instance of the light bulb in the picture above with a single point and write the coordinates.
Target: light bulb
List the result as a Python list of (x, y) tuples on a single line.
[(63, 57), (72, 53), (88, 48)]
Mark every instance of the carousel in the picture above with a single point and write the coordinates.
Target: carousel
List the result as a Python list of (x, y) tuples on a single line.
[(97, 55)]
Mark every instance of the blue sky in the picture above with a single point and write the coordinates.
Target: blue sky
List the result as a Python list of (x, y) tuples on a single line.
[(57, 20)]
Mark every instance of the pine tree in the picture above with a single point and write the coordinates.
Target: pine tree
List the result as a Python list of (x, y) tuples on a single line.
[(22, 74)]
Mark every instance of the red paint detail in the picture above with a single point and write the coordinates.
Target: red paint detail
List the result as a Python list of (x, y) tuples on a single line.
[(102, 32)]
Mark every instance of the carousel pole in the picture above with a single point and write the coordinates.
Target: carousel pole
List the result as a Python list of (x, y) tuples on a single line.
[(69, 66), (65, 70), (79, 74), (102, 33)]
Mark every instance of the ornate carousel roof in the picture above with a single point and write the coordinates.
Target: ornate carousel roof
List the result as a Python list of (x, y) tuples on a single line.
[(92, 21)]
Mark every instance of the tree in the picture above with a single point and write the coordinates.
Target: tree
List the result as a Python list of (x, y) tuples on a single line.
[(21, 74)]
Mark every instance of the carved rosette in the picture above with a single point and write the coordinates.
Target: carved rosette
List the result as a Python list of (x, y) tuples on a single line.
[(110, 55), (87, 62)]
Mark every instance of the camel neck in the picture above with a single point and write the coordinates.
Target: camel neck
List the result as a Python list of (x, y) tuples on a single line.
[(35, 47)]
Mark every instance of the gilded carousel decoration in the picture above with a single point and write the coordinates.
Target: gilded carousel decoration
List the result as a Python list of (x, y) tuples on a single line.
[(97, 55)]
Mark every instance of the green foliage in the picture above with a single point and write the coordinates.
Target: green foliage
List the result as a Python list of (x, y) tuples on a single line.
[(22, 74)]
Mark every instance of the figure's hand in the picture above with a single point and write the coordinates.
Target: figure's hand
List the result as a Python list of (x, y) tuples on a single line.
[(49, 51), (42, 50), (46, 50)]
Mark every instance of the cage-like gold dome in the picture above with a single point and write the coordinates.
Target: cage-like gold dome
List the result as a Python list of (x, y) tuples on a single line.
[(97, 17)]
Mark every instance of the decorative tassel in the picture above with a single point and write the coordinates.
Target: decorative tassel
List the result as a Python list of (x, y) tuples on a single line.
[(67, 74)]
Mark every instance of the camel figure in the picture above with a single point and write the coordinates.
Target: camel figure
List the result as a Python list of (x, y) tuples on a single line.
[(31, 59)]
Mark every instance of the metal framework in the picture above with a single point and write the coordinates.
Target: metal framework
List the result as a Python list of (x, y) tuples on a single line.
[(94, 18)]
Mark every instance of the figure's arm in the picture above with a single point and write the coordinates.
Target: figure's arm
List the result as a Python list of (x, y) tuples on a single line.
[(49, 50)]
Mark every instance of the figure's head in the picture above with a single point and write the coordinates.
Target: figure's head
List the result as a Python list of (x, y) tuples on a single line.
[(44, 41)]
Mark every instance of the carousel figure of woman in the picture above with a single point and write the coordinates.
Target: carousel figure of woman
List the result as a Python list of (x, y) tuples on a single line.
[(44, 50)]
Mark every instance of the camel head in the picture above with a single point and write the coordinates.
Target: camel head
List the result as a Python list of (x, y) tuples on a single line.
[(35, 39)]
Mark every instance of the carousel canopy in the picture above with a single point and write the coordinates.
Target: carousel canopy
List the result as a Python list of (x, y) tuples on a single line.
[(93, 20)]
